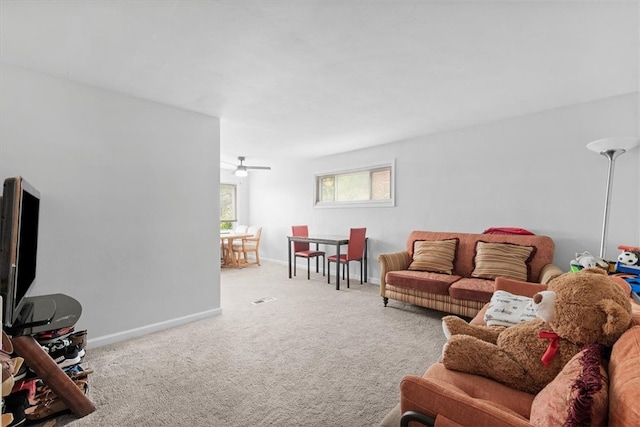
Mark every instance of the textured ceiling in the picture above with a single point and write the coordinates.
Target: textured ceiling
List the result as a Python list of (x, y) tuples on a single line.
[(311, 78)]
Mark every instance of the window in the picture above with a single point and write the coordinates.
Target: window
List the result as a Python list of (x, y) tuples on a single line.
[(364, 186), (227, 206)]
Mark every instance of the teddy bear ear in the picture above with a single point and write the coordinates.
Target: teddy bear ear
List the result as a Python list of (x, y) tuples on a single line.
[(618, 318), (594, 270)]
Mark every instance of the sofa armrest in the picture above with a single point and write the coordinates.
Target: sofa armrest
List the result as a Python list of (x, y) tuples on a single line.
[(392, 262), (549, 272), (435, 398)]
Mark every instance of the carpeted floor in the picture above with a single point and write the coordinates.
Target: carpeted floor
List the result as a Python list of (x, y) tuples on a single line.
[(312, 356)]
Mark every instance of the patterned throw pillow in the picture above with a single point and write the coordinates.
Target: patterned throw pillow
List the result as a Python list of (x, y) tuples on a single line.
[(578, 396), (502, 259), (506, 309), (434, 255)]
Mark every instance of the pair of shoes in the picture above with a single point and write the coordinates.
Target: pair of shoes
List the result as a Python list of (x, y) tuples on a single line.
[(48, 404)]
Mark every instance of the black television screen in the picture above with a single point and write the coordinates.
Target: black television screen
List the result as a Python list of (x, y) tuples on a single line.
[(18, 244)]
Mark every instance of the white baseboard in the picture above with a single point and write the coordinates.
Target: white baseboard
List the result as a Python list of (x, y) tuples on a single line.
[(144, 330)]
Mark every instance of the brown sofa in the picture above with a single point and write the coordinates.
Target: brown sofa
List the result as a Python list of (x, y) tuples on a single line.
[(460, 292), (448, 398)]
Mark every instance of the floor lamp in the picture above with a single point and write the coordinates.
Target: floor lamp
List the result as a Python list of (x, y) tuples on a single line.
[(611, 148)]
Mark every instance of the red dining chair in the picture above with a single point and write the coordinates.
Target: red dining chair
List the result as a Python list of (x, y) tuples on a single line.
[(301, 250), (355, 252)]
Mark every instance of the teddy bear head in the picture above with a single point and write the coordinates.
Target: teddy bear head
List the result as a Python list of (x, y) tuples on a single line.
[(585, 307)]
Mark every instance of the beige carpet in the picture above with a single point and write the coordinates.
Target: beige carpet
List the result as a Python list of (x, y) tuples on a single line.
[(313, 356)]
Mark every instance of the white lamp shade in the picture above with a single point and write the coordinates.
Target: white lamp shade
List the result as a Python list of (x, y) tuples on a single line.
[(625, 143)]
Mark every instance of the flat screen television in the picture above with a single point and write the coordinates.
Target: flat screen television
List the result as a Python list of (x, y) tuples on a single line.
[(20, 212)]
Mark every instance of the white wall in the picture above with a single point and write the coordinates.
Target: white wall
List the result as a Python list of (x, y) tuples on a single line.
[(130, 202), (532, 172)]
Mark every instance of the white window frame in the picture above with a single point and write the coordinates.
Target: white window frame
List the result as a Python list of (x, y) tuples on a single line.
[(235, 204), (387, 203)]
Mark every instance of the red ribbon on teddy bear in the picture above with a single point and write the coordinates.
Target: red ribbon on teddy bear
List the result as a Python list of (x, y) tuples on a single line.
[(552, 348)]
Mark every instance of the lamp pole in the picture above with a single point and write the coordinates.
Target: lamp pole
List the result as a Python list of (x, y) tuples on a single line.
[(611, 156), (611, 148)]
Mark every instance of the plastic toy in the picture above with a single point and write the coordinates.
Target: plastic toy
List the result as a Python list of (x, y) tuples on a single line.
[(628, 260), (586, 260)]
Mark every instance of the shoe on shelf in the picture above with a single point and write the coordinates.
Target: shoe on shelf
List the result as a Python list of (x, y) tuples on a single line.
[(48, 404), (77, 372), (21, 374), (66, 357), (16, 404), (50, 336), (7, 419), (9, 367), (46, 409), (25, 385), (57, 344), (79, 338)]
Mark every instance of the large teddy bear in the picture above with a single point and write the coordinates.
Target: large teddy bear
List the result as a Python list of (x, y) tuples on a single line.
[(577, 309)]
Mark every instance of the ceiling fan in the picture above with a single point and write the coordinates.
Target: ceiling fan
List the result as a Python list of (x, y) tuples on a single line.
[(242, 169)]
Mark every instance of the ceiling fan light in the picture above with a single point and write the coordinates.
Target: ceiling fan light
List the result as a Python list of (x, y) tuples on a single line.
[(241, 171)]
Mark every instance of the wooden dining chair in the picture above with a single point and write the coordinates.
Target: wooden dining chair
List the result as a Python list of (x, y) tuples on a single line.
[(301, 250), (248, 245), (355, 252), (240, 229)]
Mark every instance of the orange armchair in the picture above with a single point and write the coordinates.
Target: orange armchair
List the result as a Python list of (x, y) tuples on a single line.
[(449, 398)]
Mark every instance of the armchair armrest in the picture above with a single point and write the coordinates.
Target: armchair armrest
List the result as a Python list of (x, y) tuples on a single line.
[(435, 398), (392, 262), (548, 272), (410, 416)]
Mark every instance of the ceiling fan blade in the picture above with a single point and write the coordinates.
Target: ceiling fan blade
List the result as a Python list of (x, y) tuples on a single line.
[(268, 168), (227, 165)]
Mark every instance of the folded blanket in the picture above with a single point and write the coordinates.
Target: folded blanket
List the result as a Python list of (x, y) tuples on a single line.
[(506, 309)]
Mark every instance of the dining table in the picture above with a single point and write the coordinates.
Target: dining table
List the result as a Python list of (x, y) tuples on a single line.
[(226, 242), (330, 240)]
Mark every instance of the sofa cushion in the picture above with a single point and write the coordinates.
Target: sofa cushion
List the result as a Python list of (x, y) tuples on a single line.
[(437, 256), (624, 380), (472, 289), (483, 388), (502, 259), (447, 403), (578, 396), (436, 283)]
